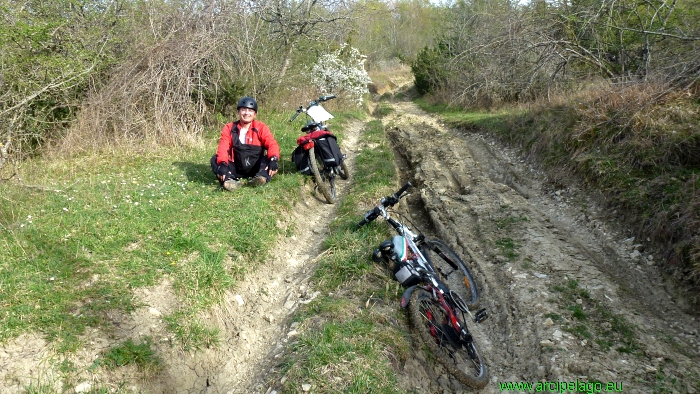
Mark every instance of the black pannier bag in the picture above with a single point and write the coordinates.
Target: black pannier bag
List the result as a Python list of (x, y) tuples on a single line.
[(328, 151), (300, 157)]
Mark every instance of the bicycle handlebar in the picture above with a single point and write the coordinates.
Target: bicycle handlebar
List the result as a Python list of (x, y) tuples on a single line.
[(299, 110), (386, 202), (311, 104), (402, 190)]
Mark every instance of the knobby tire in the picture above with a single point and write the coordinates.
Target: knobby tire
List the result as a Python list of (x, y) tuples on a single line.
[(320, 184), (331, 181), (430, 321), (343, 171), (452, 271)]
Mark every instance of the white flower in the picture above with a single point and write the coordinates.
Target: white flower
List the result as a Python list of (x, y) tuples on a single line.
[(342, 70)]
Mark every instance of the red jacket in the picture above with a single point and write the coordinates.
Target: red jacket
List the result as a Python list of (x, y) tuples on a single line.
[(258, 134)]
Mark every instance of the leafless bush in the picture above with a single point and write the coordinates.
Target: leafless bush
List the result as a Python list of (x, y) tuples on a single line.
[(183, 66), (498, 52), (157, 93)]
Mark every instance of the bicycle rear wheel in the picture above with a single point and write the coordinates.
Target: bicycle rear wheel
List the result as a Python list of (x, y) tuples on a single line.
[(320, 182), (452, 270), (461, 358)]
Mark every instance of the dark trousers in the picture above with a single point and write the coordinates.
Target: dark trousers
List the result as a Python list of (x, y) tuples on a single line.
[(259, 169)]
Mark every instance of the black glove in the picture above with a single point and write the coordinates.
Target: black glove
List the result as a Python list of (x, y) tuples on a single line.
[(223, 168), (273, 164)]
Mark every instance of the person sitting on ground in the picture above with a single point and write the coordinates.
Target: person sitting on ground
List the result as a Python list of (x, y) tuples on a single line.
[(247, 149)]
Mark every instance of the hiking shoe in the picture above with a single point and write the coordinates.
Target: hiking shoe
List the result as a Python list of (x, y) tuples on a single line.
[(258, 181), (232, 185)]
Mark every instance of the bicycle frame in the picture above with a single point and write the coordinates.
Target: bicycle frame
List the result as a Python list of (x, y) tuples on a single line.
[(433, 286), (410, 237)]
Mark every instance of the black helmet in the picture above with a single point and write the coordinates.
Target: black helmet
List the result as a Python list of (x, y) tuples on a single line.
[(248, 102)]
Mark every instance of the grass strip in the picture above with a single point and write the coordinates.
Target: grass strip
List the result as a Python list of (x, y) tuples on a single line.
[(353, 336)]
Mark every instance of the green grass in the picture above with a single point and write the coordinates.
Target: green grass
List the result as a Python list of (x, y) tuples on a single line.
[(554, 316), (508, 247), (509, 226), (130, 353), (76, 241), (383, 109), (459, 118)]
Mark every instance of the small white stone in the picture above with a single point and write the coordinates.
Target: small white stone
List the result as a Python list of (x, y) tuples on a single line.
[(83, 387), (306, 387), (239, 299), (153, 311)]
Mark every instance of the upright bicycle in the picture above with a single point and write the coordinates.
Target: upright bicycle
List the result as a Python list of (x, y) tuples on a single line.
[(439, 292), (318, 153)]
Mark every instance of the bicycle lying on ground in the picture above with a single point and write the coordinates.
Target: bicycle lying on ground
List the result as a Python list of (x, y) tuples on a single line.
[(318, 153), (439, 292)]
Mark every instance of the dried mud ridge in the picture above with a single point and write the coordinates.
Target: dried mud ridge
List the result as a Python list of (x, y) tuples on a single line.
[(540, 256)]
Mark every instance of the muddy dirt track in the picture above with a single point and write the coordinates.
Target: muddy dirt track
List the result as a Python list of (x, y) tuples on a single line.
[(570, 296)]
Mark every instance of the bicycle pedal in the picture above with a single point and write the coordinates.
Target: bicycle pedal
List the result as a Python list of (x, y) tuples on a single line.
[(480, 315)]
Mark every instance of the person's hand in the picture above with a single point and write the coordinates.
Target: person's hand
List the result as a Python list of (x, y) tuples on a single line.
[(272, 167), (221, 177)]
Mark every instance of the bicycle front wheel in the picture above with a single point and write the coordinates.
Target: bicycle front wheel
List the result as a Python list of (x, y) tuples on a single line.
[(461, 358), (320, 183), (343, 170), (452, 270)]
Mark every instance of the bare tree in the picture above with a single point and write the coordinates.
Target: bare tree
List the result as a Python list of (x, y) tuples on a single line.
[(312, 20)]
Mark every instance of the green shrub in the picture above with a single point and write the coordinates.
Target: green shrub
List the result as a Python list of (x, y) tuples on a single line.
[(429, 68)]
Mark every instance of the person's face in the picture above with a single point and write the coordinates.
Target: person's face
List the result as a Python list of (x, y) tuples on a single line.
[(246, 115)]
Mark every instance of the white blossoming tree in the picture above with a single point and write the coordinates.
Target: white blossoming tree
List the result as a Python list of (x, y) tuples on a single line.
[(342, 70)]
